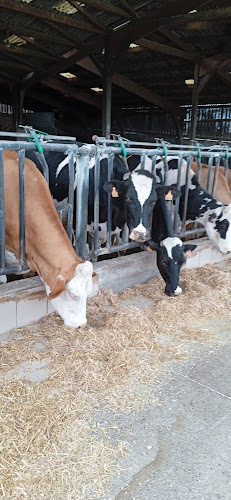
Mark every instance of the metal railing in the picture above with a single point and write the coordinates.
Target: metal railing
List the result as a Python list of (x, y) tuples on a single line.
[(79, 159)]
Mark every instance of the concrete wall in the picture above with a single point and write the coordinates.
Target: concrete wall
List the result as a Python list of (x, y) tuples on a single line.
[(25, 301)]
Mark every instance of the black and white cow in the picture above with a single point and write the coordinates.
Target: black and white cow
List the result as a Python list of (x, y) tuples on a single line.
[(141, 193), (201, 207), (59, 183), (171, 251)]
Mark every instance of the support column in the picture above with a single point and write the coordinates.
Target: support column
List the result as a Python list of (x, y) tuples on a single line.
[(107, 96), (17, 103), (195, 99)]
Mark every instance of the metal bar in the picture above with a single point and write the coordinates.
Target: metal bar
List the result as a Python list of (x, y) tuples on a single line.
[(70, 194), (177, 202), (21, 158), (210, 164), (2, 216), (82, 181), (109, 206), (115, 248), (186, 191), (44, 166), (216, 171), (47, 137), (96, 201)]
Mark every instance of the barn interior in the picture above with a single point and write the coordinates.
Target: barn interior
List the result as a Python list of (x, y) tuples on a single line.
[(140, 68)]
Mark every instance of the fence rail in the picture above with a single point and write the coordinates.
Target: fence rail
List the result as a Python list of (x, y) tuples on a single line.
[(79, 164)]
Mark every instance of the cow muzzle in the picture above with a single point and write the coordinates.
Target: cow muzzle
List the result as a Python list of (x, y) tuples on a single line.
[(173, 293), (137, 235)]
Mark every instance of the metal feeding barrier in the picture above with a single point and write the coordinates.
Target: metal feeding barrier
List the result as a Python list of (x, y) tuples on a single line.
[(81, 159)]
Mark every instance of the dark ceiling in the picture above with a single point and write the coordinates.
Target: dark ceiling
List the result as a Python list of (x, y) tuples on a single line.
[(40, 39)]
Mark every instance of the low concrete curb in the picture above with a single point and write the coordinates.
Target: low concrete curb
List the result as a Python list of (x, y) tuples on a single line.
[(24, 301)]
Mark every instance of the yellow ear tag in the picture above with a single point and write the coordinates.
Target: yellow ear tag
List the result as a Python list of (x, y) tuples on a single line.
[(114, 193), (169, 196), (149, 249), (188, 252)]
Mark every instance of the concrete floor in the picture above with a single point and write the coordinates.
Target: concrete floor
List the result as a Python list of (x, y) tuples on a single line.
[(180, 449)]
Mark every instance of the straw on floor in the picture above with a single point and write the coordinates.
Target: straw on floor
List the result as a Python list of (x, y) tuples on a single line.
[(50, 444)]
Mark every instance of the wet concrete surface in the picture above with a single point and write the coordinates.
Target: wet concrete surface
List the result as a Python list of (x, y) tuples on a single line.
[(180, 448)]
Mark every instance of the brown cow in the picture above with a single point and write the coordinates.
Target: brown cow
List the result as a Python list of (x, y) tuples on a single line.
[(67, 279), (222, 192)]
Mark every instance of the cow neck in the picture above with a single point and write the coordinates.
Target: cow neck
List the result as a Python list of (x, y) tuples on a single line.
[(167, 218)]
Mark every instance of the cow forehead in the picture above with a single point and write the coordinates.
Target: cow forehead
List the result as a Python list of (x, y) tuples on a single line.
[(143, 186), (223, 212), (169, 243)]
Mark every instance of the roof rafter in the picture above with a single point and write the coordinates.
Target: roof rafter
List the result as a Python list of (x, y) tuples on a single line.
[(107, 7), (70, 91), (131, 86), (85, 13), (43, 14), (155, 19), (18, 30), (165, 49), (205, 15), (65, 63)]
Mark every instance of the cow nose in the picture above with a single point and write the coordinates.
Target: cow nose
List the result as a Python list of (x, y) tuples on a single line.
[(139, 235)]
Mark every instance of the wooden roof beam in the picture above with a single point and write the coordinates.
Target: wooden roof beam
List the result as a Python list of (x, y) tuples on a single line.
[(155, 19), (165, 49), (65, 63), (43, 14), (132, 87), (175, 39), (128, 8), (205, 15), (70, 91), (68, 36), (43, 50), (85, 13), (38, 35), (107, 7)]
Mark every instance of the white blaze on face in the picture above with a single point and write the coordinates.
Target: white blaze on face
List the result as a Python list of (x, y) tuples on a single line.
[(142, 185), (169, 243), (71, 303)]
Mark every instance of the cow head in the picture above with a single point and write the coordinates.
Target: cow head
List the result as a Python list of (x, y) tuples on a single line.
[(218, 227), (171, 255), (137, 192), (69, 299)]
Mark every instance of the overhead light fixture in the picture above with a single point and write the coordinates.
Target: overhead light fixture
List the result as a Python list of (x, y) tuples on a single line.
[(190, 81), (97, 89), (121, 25), (68, 75), (65, 8), (133, 45)]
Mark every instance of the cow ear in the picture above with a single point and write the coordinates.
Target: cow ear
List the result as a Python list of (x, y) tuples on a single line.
[(116, 188), (188, 249), (167, 192), (151, 245), (58, 288)]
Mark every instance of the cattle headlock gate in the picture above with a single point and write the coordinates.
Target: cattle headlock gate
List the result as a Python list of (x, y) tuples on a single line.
[(81, 159)]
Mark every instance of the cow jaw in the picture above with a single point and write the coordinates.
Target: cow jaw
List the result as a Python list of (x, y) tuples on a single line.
[(71, 303)]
